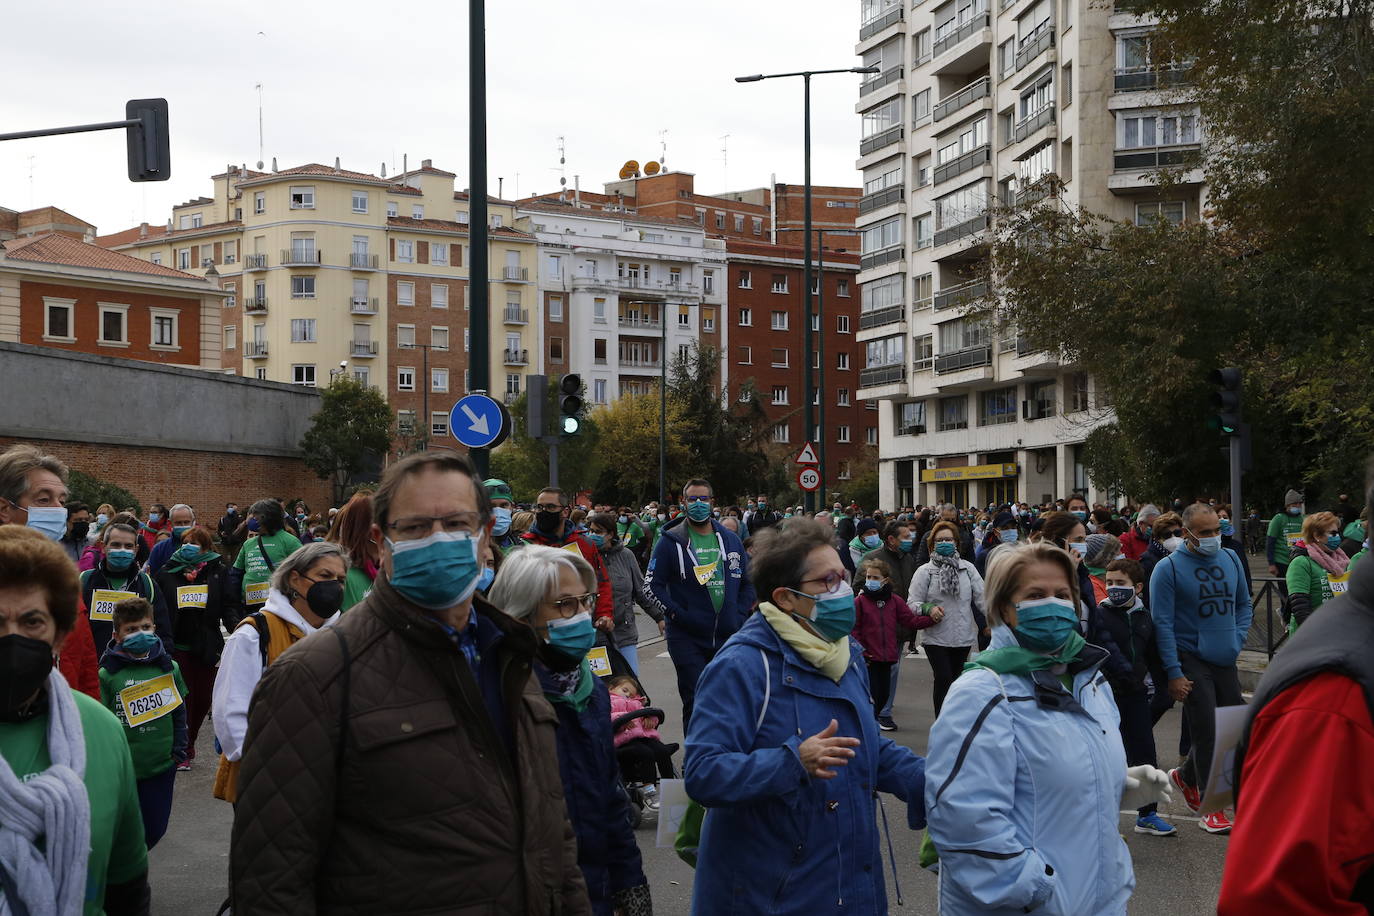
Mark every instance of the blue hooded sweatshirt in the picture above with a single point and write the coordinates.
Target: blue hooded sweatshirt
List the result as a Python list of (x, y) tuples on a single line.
[(1200, 605), (686, 603)]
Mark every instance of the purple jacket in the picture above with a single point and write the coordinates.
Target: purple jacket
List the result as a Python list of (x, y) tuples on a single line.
[(875, 623)]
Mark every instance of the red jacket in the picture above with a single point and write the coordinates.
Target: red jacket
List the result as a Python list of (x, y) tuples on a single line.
[(77, 660), (875, 624), (643, 727), (605, 600), (1133, 545), (1304, 830)]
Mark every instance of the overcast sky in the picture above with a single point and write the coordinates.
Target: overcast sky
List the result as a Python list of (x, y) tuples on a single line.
[(369, 82)]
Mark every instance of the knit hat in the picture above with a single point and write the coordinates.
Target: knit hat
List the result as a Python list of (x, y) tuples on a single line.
[(1292, 497), (498, 489), (1095, 544), (864, 526), (1004, 520)]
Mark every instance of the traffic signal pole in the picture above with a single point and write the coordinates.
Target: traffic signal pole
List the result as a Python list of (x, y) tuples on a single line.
[(1231, 423), (479, 271)]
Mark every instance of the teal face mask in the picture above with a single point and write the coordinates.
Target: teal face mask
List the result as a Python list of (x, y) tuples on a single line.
[(945, 548), (1045, 624), (833, 612), (908, 545), (698, 511), (573, 637), (140, 643), (598, 541), (178, 531), (119, 559), (436, 572), (190, 553), (501, 516)]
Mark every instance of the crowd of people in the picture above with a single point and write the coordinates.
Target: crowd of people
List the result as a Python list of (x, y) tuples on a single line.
[(486, 647)]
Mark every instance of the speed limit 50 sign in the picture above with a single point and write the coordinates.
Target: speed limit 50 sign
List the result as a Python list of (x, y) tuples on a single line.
[(809, 479)]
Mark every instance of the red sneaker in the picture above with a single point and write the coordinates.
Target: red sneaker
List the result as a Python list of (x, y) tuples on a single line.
[(1190, 795), (1217, 822)]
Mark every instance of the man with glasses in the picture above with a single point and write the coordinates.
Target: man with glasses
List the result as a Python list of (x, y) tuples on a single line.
[(553, 529), (700, 575), (411, 739)]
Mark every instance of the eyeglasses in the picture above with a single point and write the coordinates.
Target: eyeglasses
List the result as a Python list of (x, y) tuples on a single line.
[(548, 507), (696, 499), (831, 581), (567, 607), (416, 527)]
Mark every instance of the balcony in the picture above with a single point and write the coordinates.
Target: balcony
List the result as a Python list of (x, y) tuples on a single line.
[(363, 348), (1155, 157), (300, 257), (886, 78), (882, 375), (882, 139), (879, 199), (960, 164), (881, 317), (968, 358), (363, 261), (1028, 127), (960, 295), (640, 363), (966, 228), (255, 349), (879, 258), (972, 27), (515, 274), (1035, 44), (516, 315), (639, 323), (362, 305), (255, 305), (516, 357), (891, 17), (978, 89), (1138, 79), (255, 262)]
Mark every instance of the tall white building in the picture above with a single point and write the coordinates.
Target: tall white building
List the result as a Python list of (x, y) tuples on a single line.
[(975, 102)]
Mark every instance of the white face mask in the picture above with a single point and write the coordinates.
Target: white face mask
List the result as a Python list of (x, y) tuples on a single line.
[(1173, 543)]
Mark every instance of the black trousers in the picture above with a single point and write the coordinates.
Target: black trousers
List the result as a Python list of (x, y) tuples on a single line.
[(1137, 731), (1213, 686), (879, 684), (946, 663), (639, 757)]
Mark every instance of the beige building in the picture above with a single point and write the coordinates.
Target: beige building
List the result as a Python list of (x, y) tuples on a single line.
[(975, 102)]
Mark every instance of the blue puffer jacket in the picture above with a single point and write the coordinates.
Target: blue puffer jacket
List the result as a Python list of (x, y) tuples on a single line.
[(774, 840), (1023, 793), (597, 805), (686, 603)]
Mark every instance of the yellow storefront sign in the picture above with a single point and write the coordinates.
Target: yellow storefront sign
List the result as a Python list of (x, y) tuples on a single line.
[(976, 472)]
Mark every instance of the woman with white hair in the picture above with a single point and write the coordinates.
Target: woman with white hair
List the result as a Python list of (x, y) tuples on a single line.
[(555, 591), (306, 594)]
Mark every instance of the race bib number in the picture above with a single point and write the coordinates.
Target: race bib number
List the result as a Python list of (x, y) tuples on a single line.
[(257, 594), (705, 572), (600, 661), (1293, 538), (193, 596), (1339, 584), (103, 601), (149, 701), (573, 548)]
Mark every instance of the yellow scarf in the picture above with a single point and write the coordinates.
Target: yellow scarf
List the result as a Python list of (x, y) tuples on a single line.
[(830, 658)]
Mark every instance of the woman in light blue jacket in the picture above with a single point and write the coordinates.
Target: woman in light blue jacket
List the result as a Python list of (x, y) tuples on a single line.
[(1026, 775)]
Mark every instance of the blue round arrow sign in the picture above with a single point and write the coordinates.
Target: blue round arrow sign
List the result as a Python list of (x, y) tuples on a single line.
[(478, 421)]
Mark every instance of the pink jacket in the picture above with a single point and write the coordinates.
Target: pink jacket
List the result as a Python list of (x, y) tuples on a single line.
[(643, 727), (91, 558), (875, 624)]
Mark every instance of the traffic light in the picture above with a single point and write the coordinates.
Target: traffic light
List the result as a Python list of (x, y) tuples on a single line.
[(570, 404), (1226, 400), (148, 146)]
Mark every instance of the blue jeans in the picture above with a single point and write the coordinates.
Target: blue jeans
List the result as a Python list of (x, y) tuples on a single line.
[(631, 655), (690, 658), (155, 803), (886, 712)]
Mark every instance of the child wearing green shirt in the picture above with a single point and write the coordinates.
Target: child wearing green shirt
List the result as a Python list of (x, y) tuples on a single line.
[(141, 684)]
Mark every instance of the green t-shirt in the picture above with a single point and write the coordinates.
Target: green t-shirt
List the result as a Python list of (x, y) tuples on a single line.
[(150, 744), (630, 533), (356, 587), (256, 572), (117, 854), (709, 570), (1287, 528)]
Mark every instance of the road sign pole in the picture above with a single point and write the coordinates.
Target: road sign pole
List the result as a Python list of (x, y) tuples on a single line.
[(479, 271)]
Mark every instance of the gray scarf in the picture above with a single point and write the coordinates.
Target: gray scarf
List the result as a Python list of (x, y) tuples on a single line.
[(53, 810), (947, 574)]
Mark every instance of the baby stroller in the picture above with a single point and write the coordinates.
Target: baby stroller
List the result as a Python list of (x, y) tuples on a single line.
[(639, 777)]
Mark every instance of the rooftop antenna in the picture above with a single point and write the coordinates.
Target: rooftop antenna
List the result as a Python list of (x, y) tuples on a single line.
[(260, 159), (31, 203), (725, 161), (663, 148), (500, 184), (562, 169)]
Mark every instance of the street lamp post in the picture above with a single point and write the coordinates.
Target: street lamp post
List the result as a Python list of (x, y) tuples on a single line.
[(808, 384)]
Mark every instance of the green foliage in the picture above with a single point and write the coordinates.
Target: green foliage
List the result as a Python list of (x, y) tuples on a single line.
[(629, 476), (93, 492), (724, 436), (348, 433)]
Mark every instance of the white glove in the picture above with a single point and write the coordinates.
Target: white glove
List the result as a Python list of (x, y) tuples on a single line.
[(1145, 785)]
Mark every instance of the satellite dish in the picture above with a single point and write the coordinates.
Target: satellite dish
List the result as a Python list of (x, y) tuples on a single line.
[(627, 172), (632, 165), (651, 168)]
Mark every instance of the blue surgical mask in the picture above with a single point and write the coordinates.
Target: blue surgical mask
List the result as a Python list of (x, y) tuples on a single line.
[(154, 517), (873, 585), (502, 517), (1045, 624), (50, 520), (484, 580), (598, 541), (1295, 510), (698, 511), (1079, 514), (833, 612), (944, 548), (1227, 529), (140, 643), (1009, 536), (254, 524), (1333, 542), (1079, 547), (437, 571), (102, 520), (573, 637), (1209, 546), (870, 541), (1120, 595), (624, 520), (119, 559), (908, 545)]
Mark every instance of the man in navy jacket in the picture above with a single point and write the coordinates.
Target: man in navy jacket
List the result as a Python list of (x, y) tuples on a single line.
[(700, 575)]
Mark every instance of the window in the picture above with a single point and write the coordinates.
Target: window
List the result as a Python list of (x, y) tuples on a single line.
[(953, 413), (405, 422), (497, 220), (890, 178), (842, 361), (781, 433), (1040, 401), (1036, 97), (746, 356), (359, 201), (438, 380), (779, 321), (842, 324), (1066, 85), (512, 384), (746, 318), (911, 418), (708, 281), (438, 253), (231, 251), (303, 287), (885, 116), (746, 280), (555, 349), (183, 259), (758, 225), (1171, 211), (467, 340), (599, 350), (920, 108), (922, 288), (164, 329), (882, 236), (963, 334), (708, 320), (962, 206), (438, 338), (997, 406), (842, 434), (405, 252), (920, 47), (779, 283), (1078, 383), (156, 257), (114, 322), (923, 351), (303, 374), (739, 222), (599, 391), (1034, 166), (405, 335), (231, 337), (921, 229), (1144, 129), (405, 378), (780, 397), (361, 375), (302, 330), (417, 211), (881, 294), (720, 220), (684, 317), (885, 351), (438, 423), (438, 295), (260, 373), (701, 216), (260, 202), (780, 357), (842, 397), (599, 309), (842, 287), (555, 308), (405, 292), (302, 247), (59, 320), (461, 216), (969, 138), (303, 198), (815, 323), (391, 209), (871, 435)]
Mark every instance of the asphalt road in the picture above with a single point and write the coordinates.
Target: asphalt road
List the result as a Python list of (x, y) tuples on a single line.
[(1176, 876)]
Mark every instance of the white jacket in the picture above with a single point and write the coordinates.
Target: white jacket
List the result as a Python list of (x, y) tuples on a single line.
[(240, 669), (958, 627)]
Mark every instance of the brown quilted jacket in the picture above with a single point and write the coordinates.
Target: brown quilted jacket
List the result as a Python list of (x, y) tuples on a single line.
[(424, 812)]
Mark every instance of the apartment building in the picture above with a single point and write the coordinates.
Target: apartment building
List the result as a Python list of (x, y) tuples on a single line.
[(976, 101), (618, 293)]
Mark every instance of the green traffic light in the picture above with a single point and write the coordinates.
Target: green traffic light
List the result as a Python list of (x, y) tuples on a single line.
[(570, 426)]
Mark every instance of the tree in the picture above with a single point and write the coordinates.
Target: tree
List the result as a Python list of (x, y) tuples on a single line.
[(84, 488), (724, 435), (523, 462), (349, 432), (630, 428)]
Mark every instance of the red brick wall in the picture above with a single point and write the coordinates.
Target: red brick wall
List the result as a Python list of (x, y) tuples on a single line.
[(86, 322), (425, 318), (544, 361), (205, 481)]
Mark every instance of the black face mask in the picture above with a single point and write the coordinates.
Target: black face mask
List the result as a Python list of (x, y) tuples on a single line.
[(325, 598), (80, 530), (24, 667), (548, 522)]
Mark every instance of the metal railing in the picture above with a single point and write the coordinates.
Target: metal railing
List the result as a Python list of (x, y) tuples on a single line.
[(976, 24), (294, 256), (516, 315), (874, 26), (362, 305), (871, 202), (960, 164), (255, 348), (1155, 157), (975, 90), (879, 258), (517, 357), (966, 228), (881, 139), (360, 261), (515, 273), (967, 358), (253, 304), (1135, 79), (882, 375), (255, 262), (363, 348), (626, 362), (886, 78), (640, 321), (961, 294), (881, 317), (1036, 121), (1036, 43)]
